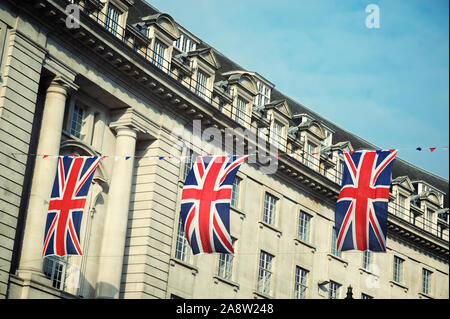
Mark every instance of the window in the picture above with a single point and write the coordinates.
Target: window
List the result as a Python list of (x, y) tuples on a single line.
[(184, 43), (426, 281), (333, 292), (340, 171), (327, 139), (364, 296), (276, 134), (429, 220), (301, 277), (367, 259), (402, 205), (225, 269), (310, 153), (56, 269), (334, 250), (188, 162), (235, 192), (398, 269), (112, 19), (182, 246), (263, 96), (201, 85), (269, 209), (264, 273), (304, 227), (158, 54), (241, 111), (77, 121)]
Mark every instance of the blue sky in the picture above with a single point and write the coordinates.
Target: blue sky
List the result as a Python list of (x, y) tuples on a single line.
[(389, 86)]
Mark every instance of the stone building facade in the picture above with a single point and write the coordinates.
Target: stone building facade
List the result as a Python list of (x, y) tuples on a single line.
[(117, 83)]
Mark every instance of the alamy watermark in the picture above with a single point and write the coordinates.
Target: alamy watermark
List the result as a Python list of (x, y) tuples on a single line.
[(73, 16), (373, 19), (231, 140)]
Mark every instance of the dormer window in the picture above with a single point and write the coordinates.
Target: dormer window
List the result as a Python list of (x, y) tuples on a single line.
[(276, 134), (112, 20), (241, 111), (158, 54), (263, 96), (185, 43), (201, 86)]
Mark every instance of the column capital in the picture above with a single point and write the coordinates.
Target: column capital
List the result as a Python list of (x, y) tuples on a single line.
[(124, 130), (62, 85), (131, 119)]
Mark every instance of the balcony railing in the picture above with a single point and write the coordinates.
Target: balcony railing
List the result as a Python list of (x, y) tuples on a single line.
[(142, 49), (419, 220)]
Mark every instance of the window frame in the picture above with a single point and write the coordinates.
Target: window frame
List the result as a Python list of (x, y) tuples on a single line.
[(236, 193), (182, 251), (112, 25), (270, 211), (426, 281), (265, 271), (398, 269), (334, 290), (300, 282), (334, 250), (306, 232), (159, 50)]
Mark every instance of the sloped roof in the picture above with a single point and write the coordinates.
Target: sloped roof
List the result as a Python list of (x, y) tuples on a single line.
[(400, 167)]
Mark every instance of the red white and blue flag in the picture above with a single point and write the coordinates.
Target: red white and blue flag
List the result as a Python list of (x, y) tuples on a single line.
[(205, 203), (70, 189), (362, 205)]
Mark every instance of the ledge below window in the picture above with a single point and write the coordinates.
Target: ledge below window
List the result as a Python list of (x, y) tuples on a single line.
[(231, 283), (237, 210), (424, 295), (304, 243), (394, 283), (264, 224), (174, 261), (257, 295), (331, 256)]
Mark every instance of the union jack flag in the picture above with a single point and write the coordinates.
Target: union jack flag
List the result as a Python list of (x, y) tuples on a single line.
[(205, 203), (361, 208), (70, 189)]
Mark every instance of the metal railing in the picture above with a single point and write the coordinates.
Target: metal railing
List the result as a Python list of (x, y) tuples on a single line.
[(432, 226), (141, 47)]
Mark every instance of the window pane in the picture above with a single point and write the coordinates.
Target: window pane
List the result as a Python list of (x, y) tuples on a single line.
[(182, 246), (367, 257), (112, 19), (77, 121), (304, 227), (235, 192), (334, 290), (426, 281), (398, 269), (158, 54), (201, 85), (300, 283), (264, 273), (241, 111), (269, 209), (334, 250)]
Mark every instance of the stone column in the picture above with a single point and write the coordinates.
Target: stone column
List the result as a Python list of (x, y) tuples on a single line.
[(115, 228), (43, 177)]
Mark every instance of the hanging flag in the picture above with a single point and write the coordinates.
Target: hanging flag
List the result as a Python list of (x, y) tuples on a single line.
[(70, 188), (361, 208), (205, 203)]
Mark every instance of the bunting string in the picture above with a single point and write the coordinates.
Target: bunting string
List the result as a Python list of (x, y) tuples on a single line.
[(281, 153)]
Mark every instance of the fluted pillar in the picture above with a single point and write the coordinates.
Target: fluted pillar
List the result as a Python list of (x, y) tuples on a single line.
[(44, 173), (115, 227)]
